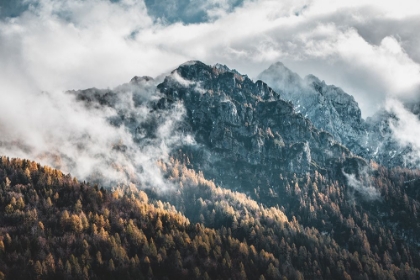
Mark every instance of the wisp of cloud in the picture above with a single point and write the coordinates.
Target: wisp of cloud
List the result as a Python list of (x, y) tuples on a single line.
[(84, 138), (368, 192)]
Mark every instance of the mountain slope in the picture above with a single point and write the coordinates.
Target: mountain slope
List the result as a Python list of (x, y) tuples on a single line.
[(52, 226), (247, 123), (328, 107), (261, 192), (331, 109)]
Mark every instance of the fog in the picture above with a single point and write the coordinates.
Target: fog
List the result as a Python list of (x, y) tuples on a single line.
[(362, 186), (80, 138)]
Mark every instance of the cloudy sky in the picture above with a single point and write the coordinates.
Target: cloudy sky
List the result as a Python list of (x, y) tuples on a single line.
[(369, 48)]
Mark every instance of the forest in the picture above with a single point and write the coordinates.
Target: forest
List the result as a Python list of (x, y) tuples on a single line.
[(53, 226)]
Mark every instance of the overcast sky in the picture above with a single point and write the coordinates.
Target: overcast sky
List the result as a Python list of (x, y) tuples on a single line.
[(371, 49)]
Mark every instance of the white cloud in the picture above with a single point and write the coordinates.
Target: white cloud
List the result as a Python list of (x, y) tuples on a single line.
[(75, 44), (55, 129), (362, 186)]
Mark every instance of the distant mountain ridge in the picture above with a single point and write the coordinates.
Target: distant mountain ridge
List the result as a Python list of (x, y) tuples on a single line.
[(333, 110)]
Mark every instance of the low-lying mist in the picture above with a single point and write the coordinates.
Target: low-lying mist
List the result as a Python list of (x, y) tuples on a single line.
[(362, 185), (107, 136)]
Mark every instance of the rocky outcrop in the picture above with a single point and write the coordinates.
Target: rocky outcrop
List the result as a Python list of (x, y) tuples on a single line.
[(245, 125), (331, 109), (382, 142), (245, 134), (328, 107)]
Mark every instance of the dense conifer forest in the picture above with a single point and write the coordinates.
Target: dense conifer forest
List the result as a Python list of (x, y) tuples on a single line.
[(53, 226)]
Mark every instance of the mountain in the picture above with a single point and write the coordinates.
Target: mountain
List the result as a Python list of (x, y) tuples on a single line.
[(253, 190), (331, 109), (328, 107), (247, 124)]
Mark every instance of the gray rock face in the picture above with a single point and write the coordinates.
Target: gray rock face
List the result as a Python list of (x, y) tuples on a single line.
[(245, 135), (383, 145), (328, 107), (380, 139), (245, 123), (331, 109)]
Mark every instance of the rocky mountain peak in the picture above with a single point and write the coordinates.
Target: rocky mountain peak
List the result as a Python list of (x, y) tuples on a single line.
[(279, 66), (221, 67), (282, 79), (328, 107), (332, 109), (137, 79), (245, 126), (310, 79)]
